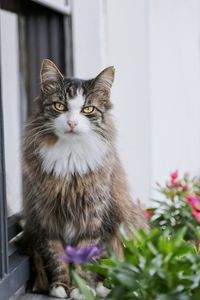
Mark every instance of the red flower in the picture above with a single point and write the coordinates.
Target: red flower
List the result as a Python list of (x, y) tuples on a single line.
[(174, 175), (196, 214), (148, 214)]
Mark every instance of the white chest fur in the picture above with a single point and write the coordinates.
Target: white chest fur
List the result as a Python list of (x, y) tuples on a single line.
[(76, 154)]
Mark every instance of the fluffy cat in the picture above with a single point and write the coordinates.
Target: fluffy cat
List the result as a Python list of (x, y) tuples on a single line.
[(75, 190)]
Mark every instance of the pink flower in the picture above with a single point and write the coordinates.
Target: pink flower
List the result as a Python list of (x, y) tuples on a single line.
[(196, 214), (174, 175), (177, 184), (148, 214), (173, 184), (185, 187), (193, 201)]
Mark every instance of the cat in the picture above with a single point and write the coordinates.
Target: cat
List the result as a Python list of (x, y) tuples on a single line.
[(75, 190)]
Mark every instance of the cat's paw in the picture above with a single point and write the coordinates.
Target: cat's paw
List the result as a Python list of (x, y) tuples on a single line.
[(101, 290), (76, 294), (58, 292)]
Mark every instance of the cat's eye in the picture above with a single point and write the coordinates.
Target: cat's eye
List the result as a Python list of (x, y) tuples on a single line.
[(58, 106), (88, 109)]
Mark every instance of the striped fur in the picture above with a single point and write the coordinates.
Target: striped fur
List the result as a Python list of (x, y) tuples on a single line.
[(74, 206)]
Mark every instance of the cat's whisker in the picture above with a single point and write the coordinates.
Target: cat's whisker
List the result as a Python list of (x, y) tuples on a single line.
[(36, 135)]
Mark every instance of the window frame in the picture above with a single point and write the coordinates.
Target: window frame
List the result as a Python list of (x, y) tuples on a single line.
[(14, 267)]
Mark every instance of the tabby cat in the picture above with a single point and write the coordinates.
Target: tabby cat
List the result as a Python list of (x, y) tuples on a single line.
[(75, 190)]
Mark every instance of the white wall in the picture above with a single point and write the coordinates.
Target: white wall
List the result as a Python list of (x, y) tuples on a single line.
[(174, 58), (154, 46), (112, 32), (11, 108), (88, 37), (127, 51)]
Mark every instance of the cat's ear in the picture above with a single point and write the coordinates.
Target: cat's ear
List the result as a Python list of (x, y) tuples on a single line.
[(105, 79), (49, 75)]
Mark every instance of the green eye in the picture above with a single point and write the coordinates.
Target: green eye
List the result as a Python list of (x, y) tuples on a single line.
[(88, 109), (58, 106)]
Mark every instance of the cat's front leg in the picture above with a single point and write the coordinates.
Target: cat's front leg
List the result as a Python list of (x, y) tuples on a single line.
[(94, 285), (56, 269)]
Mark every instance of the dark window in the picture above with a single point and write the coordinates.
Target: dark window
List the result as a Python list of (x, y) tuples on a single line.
[(44, 32)]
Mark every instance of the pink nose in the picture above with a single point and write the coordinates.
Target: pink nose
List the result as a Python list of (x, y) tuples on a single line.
[(72, 124)]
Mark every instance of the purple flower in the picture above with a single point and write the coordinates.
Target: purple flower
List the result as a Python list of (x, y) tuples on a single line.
[(82, 255)]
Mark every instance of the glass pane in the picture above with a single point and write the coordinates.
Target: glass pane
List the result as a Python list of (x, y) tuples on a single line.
[(11, 108)]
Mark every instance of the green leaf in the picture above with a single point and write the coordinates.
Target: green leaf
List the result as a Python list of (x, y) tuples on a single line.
[(125, 279), (82, 286), (108, 262), (152, 248), (98, 269), (178, 238)]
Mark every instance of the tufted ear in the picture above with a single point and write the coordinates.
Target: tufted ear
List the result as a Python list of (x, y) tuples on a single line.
[(49, 75), (105, 79)]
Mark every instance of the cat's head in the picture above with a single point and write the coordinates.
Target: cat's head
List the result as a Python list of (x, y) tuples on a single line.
[(74, 106)]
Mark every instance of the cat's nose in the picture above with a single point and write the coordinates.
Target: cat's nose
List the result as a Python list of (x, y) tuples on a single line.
[(72, 124)]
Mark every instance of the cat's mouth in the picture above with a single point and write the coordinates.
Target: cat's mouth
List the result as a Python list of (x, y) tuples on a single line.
[(70, 132)]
